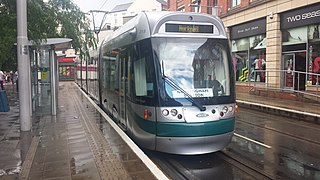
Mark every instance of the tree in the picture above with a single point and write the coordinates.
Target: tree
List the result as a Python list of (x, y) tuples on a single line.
[(52, 19), (8, 34), (73, 24)]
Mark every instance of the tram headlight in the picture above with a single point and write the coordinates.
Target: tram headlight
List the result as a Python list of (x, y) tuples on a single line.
[(230, 108), (165, 112), (225, 109), (174, 112)]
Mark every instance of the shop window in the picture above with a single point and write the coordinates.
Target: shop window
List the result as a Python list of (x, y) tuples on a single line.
[(294, 36), (314, 55), (249, 58)]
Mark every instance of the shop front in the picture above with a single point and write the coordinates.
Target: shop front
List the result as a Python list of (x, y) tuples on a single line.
[(66, 68), (248, 43), (300, 30)]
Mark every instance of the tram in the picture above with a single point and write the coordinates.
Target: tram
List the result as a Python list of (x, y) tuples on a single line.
[(167, 79)]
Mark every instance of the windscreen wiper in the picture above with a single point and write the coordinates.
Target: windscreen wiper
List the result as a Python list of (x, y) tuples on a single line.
[(188, 96)]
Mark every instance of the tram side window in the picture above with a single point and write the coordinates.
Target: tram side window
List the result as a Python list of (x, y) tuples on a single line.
[(140, 77), (110, 71), (143, 70)]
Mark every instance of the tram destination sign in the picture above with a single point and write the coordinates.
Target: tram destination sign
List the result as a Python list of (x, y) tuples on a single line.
[(189, 28)]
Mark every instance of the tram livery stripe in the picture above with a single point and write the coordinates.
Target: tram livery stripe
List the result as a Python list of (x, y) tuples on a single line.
[(196, 129)]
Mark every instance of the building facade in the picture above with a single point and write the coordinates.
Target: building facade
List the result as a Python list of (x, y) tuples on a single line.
[(122, 13), (274, 42)]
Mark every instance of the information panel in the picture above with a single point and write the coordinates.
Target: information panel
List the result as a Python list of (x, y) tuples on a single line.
[(189, 28)]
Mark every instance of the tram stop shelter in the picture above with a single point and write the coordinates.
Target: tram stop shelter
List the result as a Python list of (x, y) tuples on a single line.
[(44, 74)]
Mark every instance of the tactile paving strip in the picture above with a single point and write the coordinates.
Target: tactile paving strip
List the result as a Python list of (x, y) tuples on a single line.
[(107, 162), (26, 166)]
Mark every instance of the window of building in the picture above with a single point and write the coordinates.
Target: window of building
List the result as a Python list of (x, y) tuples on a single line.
[(197, 6), (181, 8), (235, 3)]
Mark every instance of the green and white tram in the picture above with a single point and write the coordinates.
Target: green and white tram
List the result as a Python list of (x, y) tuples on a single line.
[(167, 79)]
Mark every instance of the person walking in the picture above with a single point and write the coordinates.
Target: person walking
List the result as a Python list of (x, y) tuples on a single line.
[(1, 80), (16, 80)]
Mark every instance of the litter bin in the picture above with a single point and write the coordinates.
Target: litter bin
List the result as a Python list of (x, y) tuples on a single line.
[(4, 105)]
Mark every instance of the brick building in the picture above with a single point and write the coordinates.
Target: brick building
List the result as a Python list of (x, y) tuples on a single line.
[(274, 42)]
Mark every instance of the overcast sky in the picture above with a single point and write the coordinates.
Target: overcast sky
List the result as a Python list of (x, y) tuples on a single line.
[(106, 5)]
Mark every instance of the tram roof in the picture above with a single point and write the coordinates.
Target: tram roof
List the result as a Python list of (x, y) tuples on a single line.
[(147, 24)]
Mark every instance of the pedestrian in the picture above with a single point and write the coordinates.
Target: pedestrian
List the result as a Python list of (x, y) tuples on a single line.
[(17, 77), (14, 77), (1, 80), (11, 77)]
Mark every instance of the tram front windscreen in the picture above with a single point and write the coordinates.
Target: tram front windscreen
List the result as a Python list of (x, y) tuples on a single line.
[(200, 66)]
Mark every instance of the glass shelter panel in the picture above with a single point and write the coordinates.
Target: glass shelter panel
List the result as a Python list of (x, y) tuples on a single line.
[(40, 81)]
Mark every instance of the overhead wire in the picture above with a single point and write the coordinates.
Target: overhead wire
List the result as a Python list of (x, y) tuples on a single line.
[(103, 4)]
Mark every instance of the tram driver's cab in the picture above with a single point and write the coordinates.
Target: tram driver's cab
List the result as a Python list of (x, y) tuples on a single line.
[(205, 61)]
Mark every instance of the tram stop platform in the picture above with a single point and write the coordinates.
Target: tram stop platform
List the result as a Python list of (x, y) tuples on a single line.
[(280, 103), (81, 143), (77, 143)]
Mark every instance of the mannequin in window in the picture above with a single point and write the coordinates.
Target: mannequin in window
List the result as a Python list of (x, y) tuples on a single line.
[(258, 63), (316, 33)]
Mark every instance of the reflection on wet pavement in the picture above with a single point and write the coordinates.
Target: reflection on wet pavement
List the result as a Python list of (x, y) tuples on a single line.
[(294, 153), (10, 150), (73, 147), (67, 142)]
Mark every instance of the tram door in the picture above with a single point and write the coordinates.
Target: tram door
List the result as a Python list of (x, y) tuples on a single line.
[(122, 89)]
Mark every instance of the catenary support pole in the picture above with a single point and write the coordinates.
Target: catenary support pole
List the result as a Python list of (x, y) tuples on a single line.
[(23, 63), (53, 77)]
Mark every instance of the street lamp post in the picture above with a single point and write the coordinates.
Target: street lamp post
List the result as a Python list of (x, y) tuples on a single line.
[(23, 64)]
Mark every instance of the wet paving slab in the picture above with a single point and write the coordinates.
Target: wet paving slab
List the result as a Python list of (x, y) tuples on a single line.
[(288, 150), (75, 144), (10, 147)]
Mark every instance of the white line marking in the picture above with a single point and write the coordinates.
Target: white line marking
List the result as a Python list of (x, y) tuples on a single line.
[(279, 108), (144, 158), (254, 141)]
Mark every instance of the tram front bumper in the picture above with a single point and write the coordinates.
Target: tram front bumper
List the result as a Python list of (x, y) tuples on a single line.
[(193, 145)]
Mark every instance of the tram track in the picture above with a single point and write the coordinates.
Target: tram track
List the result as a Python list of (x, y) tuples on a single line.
[(172, 169), (175, 166), (280, 131), (250, 169)]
